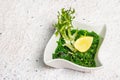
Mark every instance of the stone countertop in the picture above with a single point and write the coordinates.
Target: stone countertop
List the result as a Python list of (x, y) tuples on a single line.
[(26, 27)]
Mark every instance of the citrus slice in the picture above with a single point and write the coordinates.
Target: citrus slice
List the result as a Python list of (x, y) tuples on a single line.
[(83, 44)]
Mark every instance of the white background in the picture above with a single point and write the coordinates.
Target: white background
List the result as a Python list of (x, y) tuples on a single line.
[(26, 27)]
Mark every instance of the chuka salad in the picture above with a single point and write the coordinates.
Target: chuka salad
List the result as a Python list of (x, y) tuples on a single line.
[(77, 46)]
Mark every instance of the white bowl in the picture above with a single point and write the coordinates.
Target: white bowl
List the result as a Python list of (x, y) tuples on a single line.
[(61, 63)]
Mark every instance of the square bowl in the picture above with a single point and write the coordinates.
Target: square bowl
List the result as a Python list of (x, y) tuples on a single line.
[(62, 63)]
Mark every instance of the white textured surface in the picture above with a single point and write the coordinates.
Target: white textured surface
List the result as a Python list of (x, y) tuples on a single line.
[(26, 28)]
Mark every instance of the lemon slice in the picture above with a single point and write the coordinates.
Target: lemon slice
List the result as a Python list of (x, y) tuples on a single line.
[(83, 44)]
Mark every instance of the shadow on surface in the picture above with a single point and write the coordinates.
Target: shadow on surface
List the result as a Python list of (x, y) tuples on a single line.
[(45, 39)]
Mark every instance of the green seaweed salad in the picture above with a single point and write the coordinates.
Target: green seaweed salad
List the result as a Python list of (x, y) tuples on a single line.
[(68, 35)]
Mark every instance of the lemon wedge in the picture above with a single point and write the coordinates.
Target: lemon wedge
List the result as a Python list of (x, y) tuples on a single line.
[(84, 43)]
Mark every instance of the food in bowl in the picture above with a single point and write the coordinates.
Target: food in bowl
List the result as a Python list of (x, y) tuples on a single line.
[(77, 46)]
